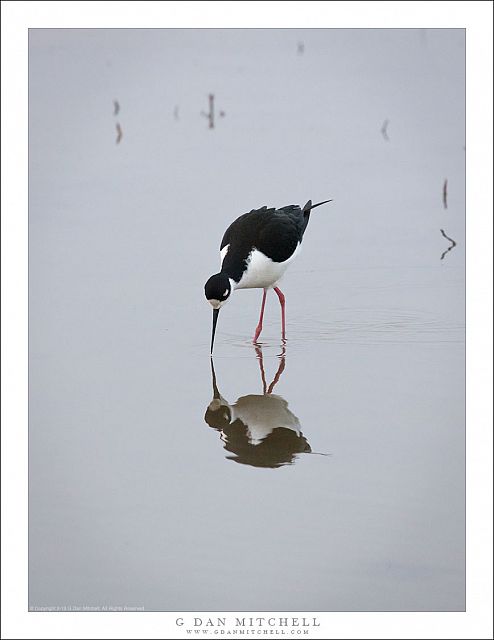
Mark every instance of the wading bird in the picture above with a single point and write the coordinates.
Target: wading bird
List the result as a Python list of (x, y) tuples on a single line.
[(255, 252)]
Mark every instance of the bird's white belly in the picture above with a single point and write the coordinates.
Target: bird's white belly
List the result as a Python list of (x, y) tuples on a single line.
[(262, 272)]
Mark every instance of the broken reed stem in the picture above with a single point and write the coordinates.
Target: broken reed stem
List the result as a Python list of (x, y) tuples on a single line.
[(384, 130), (453, 243), (211, 111)]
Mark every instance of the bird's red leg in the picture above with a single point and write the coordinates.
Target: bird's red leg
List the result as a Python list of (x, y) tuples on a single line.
[(281, 297), (259, 326)]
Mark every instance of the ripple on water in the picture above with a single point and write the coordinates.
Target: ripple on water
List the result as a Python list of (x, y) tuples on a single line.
[(349, 326), (376, 326)]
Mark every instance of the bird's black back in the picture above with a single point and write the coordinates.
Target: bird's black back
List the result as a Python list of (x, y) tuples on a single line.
[(275, 232)]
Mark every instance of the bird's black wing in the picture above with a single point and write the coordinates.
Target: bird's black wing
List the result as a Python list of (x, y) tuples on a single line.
[(242, 227), (281, 232), (275, 232)]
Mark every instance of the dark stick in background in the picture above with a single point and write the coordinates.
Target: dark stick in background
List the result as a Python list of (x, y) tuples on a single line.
[(211, 111), (384, 130), (119, 133), (210, 115), (453, 243)]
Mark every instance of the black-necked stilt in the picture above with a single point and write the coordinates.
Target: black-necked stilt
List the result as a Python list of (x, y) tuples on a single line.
[(255, 252)]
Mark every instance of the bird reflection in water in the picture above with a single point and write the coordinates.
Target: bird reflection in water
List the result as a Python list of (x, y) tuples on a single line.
[(260, 430)]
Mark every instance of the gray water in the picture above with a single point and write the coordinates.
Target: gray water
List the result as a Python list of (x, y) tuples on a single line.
[(154, 485)]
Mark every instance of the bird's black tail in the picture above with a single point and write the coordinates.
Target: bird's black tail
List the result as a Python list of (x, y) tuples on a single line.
[(307, 209), (309, 206)]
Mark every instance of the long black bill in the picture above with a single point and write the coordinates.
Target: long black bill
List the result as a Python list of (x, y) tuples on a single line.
[(215, 320)]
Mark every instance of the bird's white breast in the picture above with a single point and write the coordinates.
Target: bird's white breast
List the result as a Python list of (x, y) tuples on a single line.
[(263, 272)]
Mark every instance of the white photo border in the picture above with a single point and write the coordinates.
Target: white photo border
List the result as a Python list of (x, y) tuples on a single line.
[(17, 18)]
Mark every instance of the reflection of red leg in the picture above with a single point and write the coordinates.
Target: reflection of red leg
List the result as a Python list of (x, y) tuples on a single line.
[(281, 368), (261, 367), (280, 295), (259, 326)]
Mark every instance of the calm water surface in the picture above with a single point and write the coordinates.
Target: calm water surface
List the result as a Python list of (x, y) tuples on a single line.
[(324, 473)]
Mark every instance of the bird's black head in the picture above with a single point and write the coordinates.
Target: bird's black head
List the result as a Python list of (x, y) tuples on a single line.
[(218, 289)]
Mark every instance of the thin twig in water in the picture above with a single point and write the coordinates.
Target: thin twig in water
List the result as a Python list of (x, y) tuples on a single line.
[(119, 133), (453, 244), (384, 130), (116, 107), (445, 193), (210, 115)]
